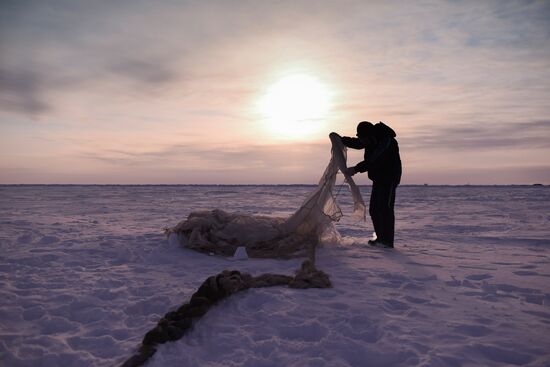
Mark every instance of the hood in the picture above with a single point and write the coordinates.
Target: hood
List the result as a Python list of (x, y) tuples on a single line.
[(382, 130)]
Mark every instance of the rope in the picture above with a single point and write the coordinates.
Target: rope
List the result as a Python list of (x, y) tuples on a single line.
[(175, 324)]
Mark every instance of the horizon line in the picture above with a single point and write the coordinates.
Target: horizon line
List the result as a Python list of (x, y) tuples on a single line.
[(256, 184)]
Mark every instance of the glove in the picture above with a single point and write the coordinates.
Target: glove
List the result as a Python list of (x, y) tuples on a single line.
[(350, 171)]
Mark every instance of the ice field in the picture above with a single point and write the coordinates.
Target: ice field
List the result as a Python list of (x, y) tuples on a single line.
[(85, 271)]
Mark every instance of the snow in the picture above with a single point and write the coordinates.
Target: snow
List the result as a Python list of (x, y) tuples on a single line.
[(85, 272), (240, 253)]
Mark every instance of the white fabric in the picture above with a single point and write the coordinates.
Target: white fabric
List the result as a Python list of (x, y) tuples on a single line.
[(222, 233)]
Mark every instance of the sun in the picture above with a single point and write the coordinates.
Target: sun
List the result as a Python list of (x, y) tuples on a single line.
[(295, 106)]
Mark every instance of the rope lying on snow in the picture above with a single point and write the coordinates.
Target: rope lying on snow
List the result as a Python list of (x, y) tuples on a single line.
[(175, 324)]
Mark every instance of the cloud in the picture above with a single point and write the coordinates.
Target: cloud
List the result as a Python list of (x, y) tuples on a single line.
[(480, 136), (283, 163), (426, 68), (191, 156), (144, 71), (377, 44), (511, 174), (22, 91)]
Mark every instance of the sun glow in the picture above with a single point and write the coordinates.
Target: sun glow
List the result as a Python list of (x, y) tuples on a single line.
[(295, 107)]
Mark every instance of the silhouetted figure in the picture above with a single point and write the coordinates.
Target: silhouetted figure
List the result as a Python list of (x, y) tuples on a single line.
[(383, 163)]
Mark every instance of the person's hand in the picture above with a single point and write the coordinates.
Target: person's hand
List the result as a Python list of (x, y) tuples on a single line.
[(333, 134), (351, 171)]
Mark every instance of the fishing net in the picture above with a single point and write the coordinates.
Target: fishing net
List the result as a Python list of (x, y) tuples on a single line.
[(220, 232)]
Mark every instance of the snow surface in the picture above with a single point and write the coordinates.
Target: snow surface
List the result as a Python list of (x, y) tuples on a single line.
[(85, 271)]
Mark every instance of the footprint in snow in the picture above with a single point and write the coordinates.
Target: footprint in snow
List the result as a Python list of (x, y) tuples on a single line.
[(24, 239), (311, 332), (479, 276), (338, 306), (416, 300), (473, 330), (395, 305), (526, 273), (46, 240)]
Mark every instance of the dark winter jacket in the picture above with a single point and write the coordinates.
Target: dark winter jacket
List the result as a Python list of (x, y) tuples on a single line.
[(382, 160)]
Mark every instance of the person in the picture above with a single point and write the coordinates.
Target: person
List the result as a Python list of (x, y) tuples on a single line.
[(383, 163)]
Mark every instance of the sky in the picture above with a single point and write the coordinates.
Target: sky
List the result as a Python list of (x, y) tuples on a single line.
[(247, 92)]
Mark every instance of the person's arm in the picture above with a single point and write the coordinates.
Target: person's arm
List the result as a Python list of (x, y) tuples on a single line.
[(353, 143), (373, 157)]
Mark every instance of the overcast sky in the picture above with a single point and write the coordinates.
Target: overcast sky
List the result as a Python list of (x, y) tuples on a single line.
[(168, 91)]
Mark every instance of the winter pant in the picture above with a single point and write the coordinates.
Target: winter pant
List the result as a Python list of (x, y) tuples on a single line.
[(382, 200)]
